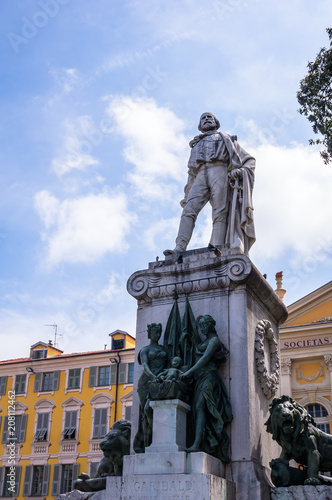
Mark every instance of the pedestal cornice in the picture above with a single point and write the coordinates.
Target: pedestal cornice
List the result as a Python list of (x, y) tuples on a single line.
[(202, 271)]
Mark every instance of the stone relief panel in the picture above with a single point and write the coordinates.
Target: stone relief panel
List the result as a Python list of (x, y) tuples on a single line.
[(267, 358)]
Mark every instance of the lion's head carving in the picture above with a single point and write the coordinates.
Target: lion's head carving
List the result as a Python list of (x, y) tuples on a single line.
[(116, 443), (287, 418)]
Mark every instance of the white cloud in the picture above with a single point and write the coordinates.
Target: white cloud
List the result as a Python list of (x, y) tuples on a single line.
[(67, 78), (84, 229), (80, 138), (155, 144), (292, 201)]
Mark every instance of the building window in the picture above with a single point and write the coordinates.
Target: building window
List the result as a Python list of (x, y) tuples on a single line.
[(320, 414), (47, 384), (100, 423), (3, 385), (99, 376), (36, 480), (42, 427), (74, 376), (20, 382), (7, 489), (66, 478), (63, 478), (131, 373), (69, 431), (324, 427), (104, 375), (317, 411), (48, 381), (39, 354), (16, 431), (117, 344)]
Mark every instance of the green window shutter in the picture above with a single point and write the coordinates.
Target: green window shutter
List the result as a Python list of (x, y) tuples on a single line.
[(113, 374), (38, 379), (103, 422), (17, 478), (127, 412), (92, 376), (122, 373), (46, 476), (67, 419), (2, 475), (3, 385), (46, 417), (5, 431), (96, 423), (70, 425), (75, 475), (21, 437), (56, 380), (73, 419), (100, 423), (42, 427), (77, 377), (74, 376), (70, 379), (27, 480), (21, 382), (56, 479)]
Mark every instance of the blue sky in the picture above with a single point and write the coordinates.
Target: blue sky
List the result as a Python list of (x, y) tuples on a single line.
[(99, 101)]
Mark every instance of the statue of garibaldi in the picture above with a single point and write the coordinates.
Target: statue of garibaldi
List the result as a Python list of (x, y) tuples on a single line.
[(221, 172)]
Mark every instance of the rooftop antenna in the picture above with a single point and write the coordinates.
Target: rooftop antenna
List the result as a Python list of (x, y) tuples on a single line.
[(56, 334)]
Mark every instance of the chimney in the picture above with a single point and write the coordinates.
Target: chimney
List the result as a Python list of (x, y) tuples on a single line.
[(50, 343), (279, 290)]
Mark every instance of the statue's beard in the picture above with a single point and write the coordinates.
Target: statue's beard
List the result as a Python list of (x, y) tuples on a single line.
[(208, 126)]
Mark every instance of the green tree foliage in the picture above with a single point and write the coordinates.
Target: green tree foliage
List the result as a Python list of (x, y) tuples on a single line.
[(315, 98)]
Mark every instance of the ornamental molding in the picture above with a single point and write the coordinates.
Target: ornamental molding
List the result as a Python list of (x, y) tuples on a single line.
[(300, 375), (328, 361), (286, 366), (161, 282), (264, 336)]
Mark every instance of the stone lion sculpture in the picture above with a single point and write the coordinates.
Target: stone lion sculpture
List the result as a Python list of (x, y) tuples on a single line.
[(295, 431), (115, 445)]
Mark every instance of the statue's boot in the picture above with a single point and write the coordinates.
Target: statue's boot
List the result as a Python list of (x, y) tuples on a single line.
[(218, 233), (186, 228)]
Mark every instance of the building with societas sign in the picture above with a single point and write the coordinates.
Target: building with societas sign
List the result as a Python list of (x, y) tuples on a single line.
[(306, 354), (54, 410)]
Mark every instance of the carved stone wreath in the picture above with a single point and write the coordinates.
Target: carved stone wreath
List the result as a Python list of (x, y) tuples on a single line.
[(268, 381)]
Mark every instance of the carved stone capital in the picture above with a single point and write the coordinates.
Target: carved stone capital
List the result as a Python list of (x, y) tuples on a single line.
[(286, 366), (328, 361)]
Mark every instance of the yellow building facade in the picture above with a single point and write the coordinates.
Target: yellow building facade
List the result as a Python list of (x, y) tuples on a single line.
[(306, 354), (54, 410)]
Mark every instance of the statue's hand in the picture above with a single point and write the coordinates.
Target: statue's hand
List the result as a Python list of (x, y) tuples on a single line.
[(235, 174), (183, 202), (184, 376)]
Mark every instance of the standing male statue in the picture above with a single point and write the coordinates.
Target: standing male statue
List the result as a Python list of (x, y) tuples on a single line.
[(221, 172)]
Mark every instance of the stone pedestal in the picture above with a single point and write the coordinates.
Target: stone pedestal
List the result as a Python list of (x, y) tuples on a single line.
[(236, 295), (169, 426), (322, 492)]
